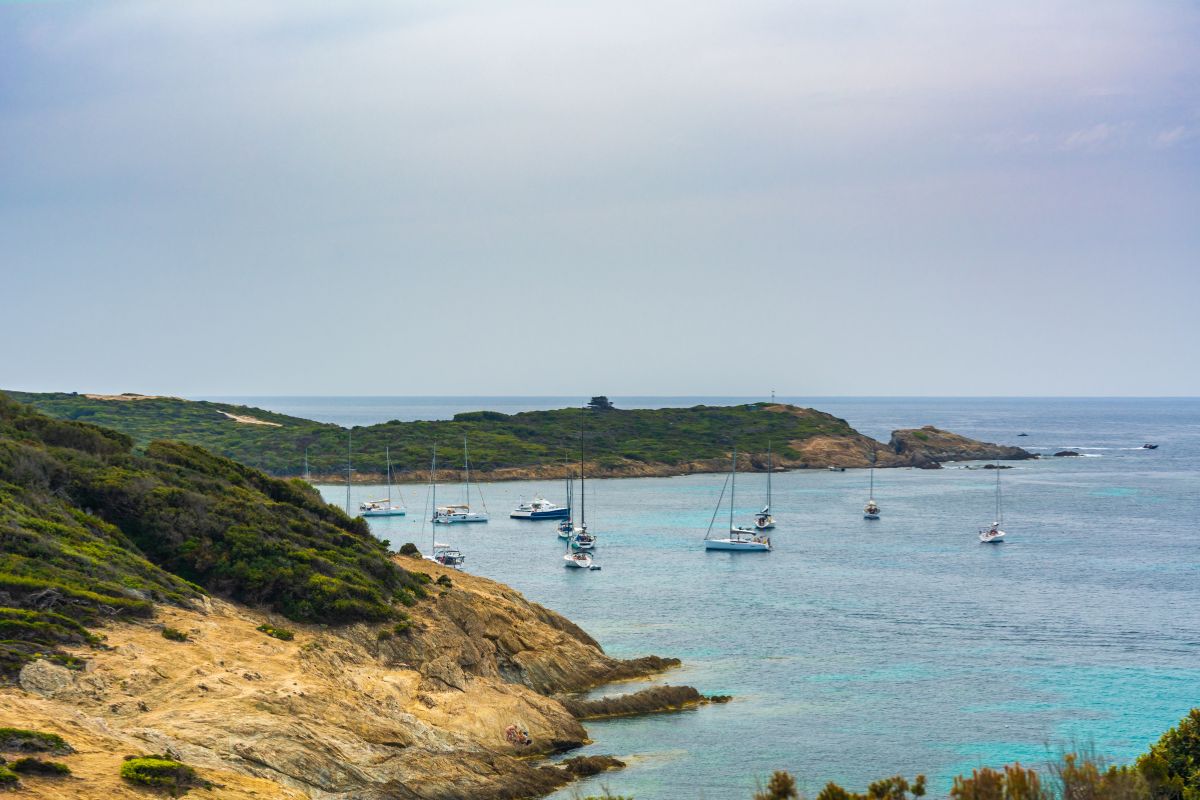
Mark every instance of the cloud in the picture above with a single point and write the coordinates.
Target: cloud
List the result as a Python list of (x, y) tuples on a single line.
[(1094, 138), (1173, 136)]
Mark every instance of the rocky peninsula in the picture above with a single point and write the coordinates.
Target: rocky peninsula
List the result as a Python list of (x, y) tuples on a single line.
[(532, 445)]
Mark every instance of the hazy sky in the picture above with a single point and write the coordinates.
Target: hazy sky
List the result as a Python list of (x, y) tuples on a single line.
[(289, 197)]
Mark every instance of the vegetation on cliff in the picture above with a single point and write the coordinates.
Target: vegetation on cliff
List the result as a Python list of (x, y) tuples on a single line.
[(619, 441), (91, 530)]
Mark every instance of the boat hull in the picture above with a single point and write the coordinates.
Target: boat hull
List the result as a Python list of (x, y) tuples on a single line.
[(399, 512), (576, 563), (736, 546), (870, 516), (460, 519), (558, 513)]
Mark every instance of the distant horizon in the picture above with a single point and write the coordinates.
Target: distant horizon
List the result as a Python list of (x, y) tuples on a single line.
[(779, 396)]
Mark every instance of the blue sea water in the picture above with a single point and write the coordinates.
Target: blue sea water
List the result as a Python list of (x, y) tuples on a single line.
[(862, 649)]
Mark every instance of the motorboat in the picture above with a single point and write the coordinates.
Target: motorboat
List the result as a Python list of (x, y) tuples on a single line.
[(1148, 446), (540, 508)]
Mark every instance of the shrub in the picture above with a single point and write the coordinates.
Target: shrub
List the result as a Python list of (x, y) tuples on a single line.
[(174, 634), (384, 635), (8, 779), (1172, 767), (444, 580), (410, 549), (284, 634), (21, 740), (782, 786), (35, 766), (160, 771)]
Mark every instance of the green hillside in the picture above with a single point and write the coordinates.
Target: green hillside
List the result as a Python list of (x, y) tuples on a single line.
[(91, 530), (615, 437)]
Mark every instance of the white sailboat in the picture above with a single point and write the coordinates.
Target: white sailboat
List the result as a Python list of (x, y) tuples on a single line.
[(568, 525), (349, 469), (443, 554), (994, 535), (461, 512), (580, 541), (383, 507), (763, 519), (739, 539), (871, 509)]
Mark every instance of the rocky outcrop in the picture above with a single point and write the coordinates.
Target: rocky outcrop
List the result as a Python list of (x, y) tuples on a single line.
[(647, 701), (1062, 453), (452, 706), (916, 447)]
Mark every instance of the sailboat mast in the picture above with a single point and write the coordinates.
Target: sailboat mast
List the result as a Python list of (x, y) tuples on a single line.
[(582, 488), (349, 449), (387, 455), (998, 520), (769, 467), (732, 485), (466, 477), (433, 485)]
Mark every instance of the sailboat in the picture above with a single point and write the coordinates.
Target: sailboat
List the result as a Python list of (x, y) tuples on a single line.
[(443, 554), (994, 535), (568, 525), (871, 509), (763, 519), (739, 539), (580, 540), (451, 514), (384, 507), (349, 469)]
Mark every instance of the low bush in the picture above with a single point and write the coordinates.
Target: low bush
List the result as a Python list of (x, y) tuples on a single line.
[(410, 549), (8, 779), (35, 766), (160, 771), (21, 740), (174, 634), (444, 580), (284, 634)]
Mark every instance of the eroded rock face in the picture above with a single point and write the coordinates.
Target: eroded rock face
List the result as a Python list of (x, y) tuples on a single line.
[(334, 713)]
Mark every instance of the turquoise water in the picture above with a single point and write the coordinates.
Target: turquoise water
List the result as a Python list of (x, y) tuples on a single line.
[(861, 649)]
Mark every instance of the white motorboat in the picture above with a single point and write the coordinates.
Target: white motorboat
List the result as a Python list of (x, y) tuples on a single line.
[(993, 534), (739, 539), (461, 512), (383, 507), (763, 520), (540, 508)]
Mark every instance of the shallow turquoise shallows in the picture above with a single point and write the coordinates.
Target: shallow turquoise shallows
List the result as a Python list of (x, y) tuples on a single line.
[(860, 649)]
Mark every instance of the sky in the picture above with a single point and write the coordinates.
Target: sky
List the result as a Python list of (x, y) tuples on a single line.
[(840, 197)]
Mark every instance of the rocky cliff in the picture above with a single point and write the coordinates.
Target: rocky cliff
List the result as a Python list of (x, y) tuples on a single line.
[(363, 711)]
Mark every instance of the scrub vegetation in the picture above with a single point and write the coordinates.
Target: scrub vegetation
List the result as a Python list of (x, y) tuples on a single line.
[(614, 437), (92, 530)]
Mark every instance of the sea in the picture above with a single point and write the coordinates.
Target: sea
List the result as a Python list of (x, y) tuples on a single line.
[(861, 649)]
